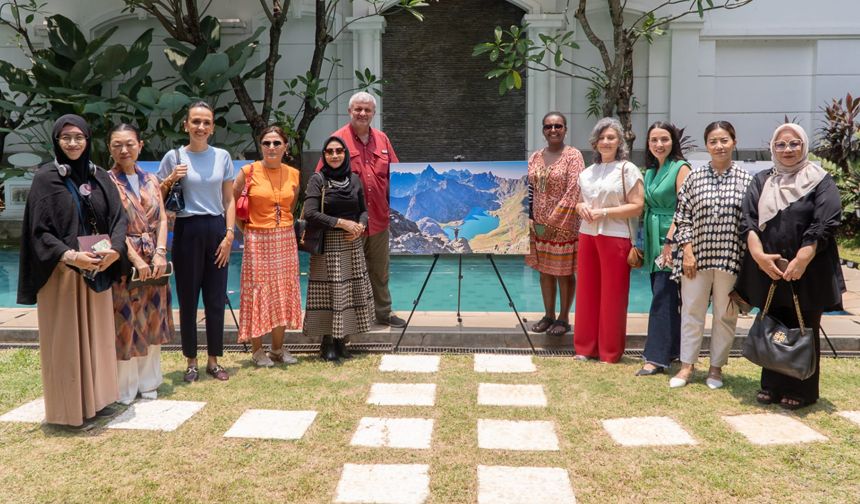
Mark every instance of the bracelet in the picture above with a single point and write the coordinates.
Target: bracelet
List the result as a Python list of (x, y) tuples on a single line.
[(161, 251), (605, 213)]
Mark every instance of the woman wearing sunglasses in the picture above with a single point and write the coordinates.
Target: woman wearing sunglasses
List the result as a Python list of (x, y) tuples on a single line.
[(271, 301), (143, 315), (553, 175), (790, 216), (339, 300)]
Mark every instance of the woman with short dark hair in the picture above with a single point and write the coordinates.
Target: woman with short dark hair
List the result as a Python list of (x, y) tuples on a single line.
[(271, 300)]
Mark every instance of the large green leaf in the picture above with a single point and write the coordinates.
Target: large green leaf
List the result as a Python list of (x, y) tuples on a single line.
[(175, 58), (195, 59), (235, 51), (13, 75), (100, 107), (210, 28), (65, 37), (127, 87), (173, 100), (109, 62), (148, 96), (138, 52), (213, 66), (79, 72), (97, 43)]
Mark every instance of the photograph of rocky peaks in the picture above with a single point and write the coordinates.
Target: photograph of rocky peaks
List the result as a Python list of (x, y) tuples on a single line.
[(459, 208)]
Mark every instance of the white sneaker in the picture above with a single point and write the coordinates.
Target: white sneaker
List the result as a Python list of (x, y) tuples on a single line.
[(261, 359)]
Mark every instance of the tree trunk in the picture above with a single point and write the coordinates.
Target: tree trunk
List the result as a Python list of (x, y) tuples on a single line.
[(322, 40)]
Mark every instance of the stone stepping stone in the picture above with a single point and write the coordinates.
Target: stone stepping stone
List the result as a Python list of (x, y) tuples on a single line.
[(409, 363), (647, 431), (402, 394), (492, 363), (523, 485), (853, 416), (773, 428), (414, 433), (384, 483), (530, 435), (32, 412), (159, 414), (271, 424), (497, 394)]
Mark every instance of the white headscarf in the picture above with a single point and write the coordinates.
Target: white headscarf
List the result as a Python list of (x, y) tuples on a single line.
[(788, 184)]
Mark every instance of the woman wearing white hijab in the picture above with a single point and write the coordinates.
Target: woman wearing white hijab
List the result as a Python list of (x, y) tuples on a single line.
[(791, 214)]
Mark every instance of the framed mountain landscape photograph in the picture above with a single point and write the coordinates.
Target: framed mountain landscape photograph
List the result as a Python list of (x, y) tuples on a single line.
[(459, 208)]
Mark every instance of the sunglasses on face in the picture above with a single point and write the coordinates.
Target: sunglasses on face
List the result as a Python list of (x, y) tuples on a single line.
[(272, 143), (547, 127), (337, 151)]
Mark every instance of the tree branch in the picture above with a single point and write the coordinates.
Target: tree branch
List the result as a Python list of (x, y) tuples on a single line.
[(589, 33)]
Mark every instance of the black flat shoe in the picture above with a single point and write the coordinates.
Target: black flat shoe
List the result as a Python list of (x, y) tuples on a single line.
[(327, 349), (107, 411), (651, 372), (340, 348)]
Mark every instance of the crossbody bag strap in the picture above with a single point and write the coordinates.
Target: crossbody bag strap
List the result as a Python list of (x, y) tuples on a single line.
[(250, 179), (624, 199)]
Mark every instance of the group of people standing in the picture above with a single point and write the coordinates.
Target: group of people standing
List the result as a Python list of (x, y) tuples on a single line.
[(94, 255), (708, 235)]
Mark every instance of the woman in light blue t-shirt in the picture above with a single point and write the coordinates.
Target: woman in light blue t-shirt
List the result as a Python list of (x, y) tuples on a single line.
[(202, 235)]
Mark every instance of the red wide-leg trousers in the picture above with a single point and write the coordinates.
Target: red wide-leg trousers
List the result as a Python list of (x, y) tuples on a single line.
[(602, 291)]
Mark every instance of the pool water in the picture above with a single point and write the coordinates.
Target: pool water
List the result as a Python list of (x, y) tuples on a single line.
[(481, 290)]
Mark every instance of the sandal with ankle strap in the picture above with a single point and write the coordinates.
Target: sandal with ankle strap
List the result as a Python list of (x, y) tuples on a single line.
[(542, 325)]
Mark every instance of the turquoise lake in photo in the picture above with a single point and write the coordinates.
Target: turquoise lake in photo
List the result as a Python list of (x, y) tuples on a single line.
[(477, 222)]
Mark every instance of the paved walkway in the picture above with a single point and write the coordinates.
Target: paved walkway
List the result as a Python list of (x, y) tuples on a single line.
[(369, 482)]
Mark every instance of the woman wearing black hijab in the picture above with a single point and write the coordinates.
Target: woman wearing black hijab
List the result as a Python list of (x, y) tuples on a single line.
[(70, 197), (339, 301)]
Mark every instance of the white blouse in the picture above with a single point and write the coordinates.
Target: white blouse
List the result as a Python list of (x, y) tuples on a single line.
[(600, 186)]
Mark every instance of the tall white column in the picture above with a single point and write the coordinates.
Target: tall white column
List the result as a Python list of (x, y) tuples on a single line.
[(367, 52), (684, 92), (540, 86)]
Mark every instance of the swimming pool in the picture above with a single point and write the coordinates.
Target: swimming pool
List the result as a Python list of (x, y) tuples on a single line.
[(480, 290)]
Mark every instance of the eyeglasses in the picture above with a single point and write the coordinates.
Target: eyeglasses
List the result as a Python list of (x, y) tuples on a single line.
[(547, 127), (337, 151), (68, 139), (272, 143), (783, 146)]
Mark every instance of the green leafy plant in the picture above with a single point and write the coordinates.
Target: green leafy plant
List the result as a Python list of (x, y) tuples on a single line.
[(838, 141)]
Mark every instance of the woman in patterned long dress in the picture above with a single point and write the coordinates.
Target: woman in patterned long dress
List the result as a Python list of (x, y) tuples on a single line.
[(554, 228), (142, 315), (339, 302), (707, 231), (271, 301)]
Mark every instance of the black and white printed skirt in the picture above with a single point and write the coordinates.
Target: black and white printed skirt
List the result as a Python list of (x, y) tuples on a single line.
[(339, 299)]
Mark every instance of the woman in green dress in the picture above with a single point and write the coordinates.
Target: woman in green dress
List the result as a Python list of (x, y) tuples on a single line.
[(666, 170)]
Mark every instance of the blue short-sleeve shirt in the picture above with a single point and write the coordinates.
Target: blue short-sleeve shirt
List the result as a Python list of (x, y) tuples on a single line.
[(201, 187)]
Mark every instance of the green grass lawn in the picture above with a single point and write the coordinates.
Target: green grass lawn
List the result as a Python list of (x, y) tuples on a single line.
[(196, 464), (849, 248)]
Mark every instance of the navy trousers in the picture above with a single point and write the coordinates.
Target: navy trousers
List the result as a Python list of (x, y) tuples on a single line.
[(663, 344), (195, 243)]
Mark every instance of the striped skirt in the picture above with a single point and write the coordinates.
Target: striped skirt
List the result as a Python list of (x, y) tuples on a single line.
[(340, 299), (553, 253), (271, 296)]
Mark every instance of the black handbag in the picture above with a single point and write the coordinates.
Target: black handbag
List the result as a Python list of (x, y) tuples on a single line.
[(774, 346), (135, 281), (175, 200), (311, 238)]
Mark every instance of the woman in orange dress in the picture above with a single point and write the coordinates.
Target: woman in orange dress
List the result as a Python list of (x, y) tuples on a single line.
[(271, 299), (554, 224)]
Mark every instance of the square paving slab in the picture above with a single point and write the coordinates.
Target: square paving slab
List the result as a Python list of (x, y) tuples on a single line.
[(517, 435), (384, 483), (853, 416), (647, 431), (33, 411), (773, 428), (497, 394), (523, 485), (492, 363), (272, 424), (402, 394), (156, 415), (412, 433), (410, 363)]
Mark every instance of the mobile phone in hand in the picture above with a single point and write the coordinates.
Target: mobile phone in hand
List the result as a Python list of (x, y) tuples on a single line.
[(782, 264)]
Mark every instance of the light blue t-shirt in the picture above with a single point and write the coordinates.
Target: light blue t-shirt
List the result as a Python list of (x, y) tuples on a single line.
[(201, 187)]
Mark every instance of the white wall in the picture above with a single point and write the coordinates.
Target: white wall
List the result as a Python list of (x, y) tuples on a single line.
[(751, 66)]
